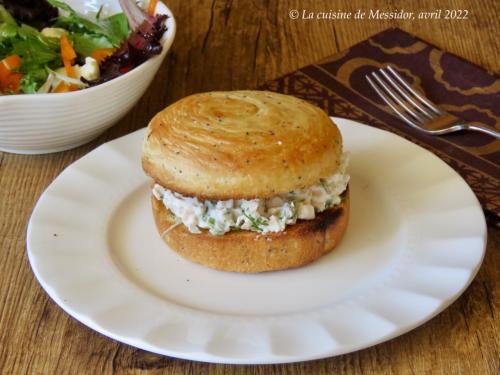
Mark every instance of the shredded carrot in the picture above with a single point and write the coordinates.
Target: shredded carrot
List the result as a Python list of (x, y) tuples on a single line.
[(152, 7), (64, 87), (61, 87), (70, 71), (12, 62), (10, 80), (102, 54), (13, 82), (4, 72), (67, 51), (68, 56)]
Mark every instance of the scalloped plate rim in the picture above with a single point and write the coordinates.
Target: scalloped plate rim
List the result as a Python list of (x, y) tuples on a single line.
[(270, 358)]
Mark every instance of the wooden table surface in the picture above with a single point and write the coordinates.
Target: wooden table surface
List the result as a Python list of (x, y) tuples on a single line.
[(235, 45)]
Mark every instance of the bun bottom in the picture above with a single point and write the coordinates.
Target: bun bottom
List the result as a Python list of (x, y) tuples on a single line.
[(251, 252)]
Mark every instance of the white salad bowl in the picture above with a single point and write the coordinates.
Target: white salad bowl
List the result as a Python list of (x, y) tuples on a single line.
[(44, 123)]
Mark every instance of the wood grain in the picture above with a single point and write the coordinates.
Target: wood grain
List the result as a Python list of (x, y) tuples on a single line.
[(235, 45)]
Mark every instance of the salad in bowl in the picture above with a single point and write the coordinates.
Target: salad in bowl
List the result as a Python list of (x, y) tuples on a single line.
[(52, 48), (69, 70)]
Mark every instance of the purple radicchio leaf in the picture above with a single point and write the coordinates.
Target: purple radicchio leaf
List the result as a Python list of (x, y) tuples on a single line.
[(142, 44)]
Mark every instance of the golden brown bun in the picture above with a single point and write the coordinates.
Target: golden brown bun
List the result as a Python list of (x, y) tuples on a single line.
[(245, 251), (240, 144)]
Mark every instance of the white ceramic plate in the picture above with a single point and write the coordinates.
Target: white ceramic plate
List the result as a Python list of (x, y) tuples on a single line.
[(415, 241)]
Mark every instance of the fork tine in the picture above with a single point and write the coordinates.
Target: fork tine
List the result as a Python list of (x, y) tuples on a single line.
[(397, 99), (405, 94), (422, 99), (388, 101)]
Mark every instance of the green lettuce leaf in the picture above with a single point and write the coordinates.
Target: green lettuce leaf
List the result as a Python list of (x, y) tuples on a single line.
[(85, 44), (5, 17), (35, 49), (32, 80), (62, 5), (115, 28)]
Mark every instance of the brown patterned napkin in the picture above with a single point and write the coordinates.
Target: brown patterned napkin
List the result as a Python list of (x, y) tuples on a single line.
[(338, 85)]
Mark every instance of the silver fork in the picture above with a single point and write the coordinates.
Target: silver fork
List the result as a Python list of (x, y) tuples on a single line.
[(415, 109)]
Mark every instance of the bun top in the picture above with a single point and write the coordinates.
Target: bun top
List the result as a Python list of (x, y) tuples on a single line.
[(240, 144)]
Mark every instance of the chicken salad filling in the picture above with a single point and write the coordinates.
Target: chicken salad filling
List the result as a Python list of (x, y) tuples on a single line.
[(258, 215)]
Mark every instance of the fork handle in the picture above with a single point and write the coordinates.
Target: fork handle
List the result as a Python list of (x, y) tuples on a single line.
[(482, 129)]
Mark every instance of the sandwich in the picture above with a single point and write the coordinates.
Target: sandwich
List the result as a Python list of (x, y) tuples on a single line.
[(247, 181)]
